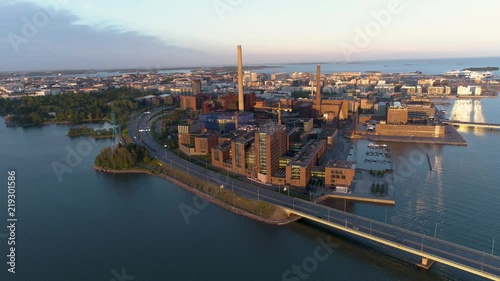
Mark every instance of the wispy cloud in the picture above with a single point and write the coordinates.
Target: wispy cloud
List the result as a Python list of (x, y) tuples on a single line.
[(62, 44)]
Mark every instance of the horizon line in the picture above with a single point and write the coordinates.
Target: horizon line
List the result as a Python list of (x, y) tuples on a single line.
[(273, 64)]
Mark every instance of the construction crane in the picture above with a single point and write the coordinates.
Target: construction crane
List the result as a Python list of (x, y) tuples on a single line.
[(279, 109)]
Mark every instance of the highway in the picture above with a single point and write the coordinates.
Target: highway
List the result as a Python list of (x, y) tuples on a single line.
[(467, 259)]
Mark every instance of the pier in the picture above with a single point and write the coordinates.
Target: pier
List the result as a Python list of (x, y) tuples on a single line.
[(489, 126)]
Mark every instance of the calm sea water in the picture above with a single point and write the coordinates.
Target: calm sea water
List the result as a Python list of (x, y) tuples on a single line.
[(427, 66), (85, 225)]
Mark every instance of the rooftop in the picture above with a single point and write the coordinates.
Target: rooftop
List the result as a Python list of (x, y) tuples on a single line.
[(246, 138), (271, 127), (223, 146), (341, 164), (228, 113), (307, 153)]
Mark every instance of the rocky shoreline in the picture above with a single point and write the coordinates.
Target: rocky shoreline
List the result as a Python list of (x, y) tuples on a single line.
[(200, 194)]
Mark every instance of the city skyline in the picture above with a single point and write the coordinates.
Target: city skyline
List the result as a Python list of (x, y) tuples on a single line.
[(89, 34)]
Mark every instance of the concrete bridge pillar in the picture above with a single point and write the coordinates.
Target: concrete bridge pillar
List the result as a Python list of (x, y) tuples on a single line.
[(426, 263)]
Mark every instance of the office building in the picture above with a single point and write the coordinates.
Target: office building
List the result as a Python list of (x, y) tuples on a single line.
[(270, 145), (298, 170)]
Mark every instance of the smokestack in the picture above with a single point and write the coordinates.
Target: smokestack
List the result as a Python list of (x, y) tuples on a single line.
[(318, 88), (241, 98)]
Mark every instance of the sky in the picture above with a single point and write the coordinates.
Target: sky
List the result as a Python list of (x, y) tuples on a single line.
[(105, 34)]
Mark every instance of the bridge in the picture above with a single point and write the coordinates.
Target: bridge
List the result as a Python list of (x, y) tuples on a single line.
[(489, 126), (429, 249)]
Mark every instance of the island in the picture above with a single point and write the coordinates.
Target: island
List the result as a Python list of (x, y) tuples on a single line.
[(90, 132), (489, 68)]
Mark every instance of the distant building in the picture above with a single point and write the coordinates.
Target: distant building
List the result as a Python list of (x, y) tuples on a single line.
[(439, 91), (384, 89), (280, 76), (303, 124), (367, 104), (469, 90), (408, 90), (196, 85), (380, 109)]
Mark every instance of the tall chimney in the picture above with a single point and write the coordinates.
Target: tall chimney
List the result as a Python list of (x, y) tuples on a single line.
[(318, 89), (241, 98)]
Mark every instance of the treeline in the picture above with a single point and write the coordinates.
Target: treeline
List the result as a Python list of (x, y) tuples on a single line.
[(85, 131), (489, 68), (72, 108), (123, 157)]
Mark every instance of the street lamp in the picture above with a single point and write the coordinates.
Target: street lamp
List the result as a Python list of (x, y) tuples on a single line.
[(493, 246)]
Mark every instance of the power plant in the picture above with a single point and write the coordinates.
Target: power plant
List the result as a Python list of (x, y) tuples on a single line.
[(241, 98), (317, 103)]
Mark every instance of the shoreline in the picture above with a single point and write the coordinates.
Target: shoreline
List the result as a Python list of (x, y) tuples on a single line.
[(203, 195), (12, 124), (462, 97)]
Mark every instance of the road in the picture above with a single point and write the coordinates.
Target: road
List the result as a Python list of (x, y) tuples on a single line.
[(451, 254)]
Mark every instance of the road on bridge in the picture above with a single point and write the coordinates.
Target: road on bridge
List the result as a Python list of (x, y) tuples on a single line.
[(470, 258)]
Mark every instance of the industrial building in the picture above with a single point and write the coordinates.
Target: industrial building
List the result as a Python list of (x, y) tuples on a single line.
[(422, 131), (226, 121), (397, 114)]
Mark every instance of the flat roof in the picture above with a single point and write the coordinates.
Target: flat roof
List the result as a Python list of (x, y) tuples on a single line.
[(270, 128), (341, 164), (307, 152), (246, 138), (223, 145), (228, 113)]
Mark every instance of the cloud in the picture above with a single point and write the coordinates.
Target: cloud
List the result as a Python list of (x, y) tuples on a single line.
[(32, 38)]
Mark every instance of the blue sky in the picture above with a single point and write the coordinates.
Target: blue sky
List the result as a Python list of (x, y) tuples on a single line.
[(76, 34)]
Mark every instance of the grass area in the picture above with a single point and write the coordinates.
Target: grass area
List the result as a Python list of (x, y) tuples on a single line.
[(126, 137), (262, 209)]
